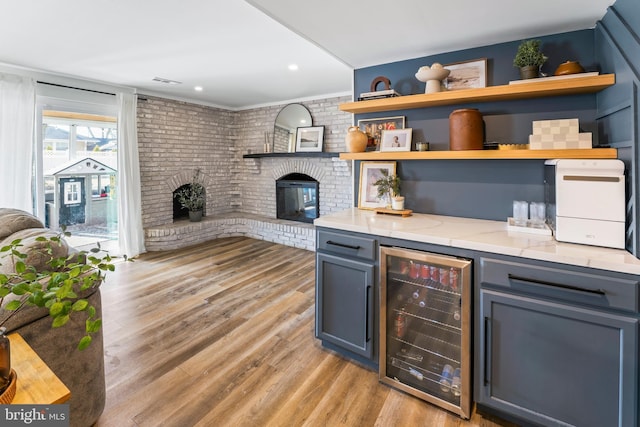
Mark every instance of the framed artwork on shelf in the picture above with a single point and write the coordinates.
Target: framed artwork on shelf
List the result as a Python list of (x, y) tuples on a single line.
[(310, 139), (370, 172), (467, 74), (396, 140), (374, 127)]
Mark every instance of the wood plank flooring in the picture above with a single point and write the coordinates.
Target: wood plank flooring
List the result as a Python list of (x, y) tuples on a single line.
[(222, 334)]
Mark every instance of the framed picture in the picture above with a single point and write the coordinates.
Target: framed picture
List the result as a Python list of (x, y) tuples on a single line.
[(370, 172), (374, 127), (396, 140), (467, 74), (309, 139)]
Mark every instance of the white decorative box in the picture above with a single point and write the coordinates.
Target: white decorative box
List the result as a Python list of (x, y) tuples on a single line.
[(556, 127), (559, 142)]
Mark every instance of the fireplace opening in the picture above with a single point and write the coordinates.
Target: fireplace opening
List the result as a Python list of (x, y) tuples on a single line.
[(297, 198), (183, 213)]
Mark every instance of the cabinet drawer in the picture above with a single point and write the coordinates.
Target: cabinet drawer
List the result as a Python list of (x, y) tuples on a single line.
[(345, 244), (585, 288)]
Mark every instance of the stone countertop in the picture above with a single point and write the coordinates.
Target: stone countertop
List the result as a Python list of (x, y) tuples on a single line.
[(480, 235)]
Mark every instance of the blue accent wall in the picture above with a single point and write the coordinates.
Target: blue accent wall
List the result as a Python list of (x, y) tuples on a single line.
[(617, 47), (576, 46), (486, 188), (483, 188)]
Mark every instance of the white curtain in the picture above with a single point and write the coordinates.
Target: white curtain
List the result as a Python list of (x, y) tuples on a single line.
[(17, 116), (130, 231)]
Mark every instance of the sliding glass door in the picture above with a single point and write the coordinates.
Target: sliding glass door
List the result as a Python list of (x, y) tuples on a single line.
[(76, 164)]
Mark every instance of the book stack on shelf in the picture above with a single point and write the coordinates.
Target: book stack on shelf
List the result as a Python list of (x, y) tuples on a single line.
[(388, 93)]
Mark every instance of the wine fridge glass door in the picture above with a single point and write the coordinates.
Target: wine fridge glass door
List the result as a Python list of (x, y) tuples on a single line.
[(425, 326)]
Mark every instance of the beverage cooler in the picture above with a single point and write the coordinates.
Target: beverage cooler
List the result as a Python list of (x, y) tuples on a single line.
[(425, 326)]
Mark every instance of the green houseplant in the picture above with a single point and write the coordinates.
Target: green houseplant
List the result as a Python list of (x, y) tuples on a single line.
[(388, 186), (191, 197), (58, 287), (529, 58)]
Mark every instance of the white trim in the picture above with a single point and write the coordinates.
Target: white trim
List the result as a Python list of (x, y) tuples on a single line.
[(143, 92)]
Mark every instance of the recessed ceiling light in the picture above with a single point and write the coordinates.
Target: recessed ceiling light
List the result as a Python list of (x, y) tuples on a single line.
[(293, 67), (303, 121), (198, 88)]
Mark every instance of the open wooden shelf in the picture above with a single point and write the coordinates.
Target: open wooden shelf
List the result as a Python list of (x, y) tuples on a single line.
[(594, 153), (537, 88)]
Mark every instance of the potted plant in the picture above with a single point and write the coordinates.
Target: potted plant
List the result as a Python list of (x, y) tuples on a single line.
[(41, 279), (191, 197), (529, 59), (58, 287), (389, 187), (44, 275)]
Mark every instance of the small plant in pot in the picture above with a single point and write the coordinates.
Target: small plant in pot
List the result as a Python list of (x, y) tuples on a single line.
[(191, 197), (529, 59), (389, 188)]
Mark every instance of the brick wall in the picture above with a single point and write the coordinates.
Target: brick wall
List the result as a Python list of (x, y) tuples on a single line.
[(256, 177), (177, 137)]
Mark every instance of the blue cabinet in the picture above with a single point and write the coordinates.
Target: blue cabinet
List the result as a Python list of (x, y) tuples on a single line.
[(557, 347), (346, 296)]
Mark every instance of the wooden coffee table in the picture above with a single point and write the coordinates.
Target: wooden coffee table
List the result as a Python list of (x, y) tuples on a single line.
[(37, 384)]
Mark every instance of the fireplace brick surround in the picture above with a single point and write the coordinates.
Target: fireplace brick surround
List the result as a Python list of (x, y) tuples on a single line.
[(176, 138)]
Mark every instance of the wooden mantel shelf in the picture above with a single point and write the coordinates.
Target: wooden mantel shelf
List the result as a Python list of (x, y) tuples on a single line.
[(594, 153), (534, 89), (272, 155)]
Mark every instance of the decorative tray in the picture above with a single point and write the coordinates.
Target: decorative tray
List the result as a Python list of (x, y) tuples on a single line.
[(399, 212)]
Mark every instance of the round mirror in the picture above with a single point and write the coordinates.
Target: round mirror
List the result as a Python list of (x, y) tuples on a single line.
[(289, 119)]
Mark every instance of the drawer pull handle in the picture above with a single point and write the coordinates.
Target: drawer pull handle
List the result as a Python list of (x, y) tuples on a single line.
[(557, 285), (343, 245)]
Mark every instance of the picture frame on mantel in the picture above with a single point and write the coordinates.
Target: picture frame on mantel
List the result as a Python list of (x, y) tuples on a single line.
[(467, 74), (309, 139), (370, 172)]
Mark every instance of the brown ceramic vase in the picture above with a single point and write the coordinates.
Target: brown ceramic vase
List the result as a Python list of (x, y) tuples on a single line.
[(466, 130)]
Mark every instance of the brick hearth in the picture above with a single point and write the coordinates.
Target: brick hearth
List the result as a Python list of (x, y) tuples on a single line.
[(184, 233)]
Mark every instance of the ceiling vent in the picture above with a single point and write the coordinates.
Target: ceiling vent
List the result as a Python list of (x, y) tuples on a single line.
[(166, 81)]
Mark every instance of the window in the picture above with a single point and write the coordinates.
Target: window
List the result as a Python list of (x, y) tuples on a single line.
[(76, 163)]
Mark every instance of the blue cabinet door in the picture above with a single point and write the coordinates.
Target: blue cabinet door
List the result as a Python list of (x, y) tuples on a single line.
[(557, 364), (345, 303)]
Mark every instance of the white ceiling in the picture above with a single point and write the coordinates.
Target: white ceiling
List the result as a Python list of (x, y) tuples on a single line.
[(240, 55)]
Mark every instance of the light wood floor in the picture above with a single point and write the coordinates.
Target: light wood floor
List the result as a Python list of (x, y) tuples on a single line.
[(222, 334)]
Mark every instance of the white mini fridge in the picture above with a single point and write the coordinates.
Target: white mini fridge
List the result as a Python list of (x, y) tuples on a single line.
[(585, 201)]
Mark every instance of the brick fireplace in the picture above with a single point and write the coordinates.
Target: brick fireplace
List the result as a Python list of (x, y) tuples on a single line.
[(297, 198), (175, 138), (180, 181)]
